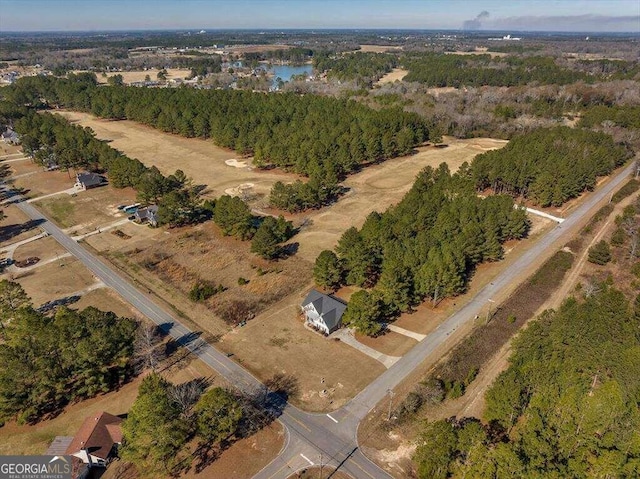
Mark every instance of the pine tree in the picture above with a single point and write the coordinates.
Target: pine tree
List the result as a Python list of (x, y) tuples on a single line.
[(327, 271), (600, 253)]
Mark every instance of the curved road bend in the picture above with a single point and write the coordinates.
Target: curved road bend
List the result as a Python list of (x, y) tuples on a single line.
[(327, 438)]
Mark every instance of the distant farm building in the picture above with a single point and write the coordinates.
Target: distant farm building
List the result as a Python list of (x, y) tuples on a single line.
[(97, 440), (148, 214), (322, 311), (85, 181)]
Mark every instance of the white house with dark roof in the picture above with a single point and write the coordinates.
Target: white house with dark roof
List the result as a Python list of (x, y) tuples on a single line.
[(322, 311), (147, 214)]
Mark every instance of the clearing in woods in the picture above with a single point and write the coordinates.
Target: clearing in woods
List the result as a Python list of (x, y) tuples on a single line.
[(397, 74)]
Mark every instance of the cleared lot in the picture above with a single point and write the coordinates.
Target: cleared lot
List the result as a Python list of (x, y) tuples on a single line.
[(55, 280)]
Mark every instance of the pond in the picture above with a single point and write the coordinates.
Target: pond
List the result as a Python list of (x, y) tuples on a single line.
[(285, 72)]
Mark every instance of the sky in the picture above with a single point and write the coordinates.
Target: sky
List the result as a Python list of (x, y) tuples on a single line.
[(516, 15)]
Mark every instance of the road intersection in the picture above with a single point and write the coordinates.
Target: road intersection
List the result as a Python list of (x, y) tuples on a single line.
[(327, 439)]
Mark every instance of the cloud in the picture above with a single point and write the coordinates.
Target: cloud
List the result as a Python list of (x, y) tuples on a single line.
[(476, 23), (575, 23)]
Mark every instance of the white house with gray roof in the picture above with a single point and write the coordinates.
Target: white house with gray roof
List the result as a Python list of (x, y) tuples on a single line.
[(322, 311)]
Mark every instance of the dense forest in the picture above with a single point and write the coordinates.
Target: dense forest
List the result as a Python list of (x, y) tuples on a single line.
[(358, 65), (301, 133), (49, 361), (549, 166), (623, 116), (426, 247), (440, 70), (567, 406)]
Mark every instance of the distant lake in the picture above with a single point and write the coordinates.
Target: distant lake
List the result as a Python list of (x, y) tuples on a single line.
[(285, 72)]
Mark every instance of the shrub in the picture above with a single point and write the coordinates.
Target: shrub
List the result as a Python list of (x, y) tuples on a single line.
[(600, 253), (456, 391), (242, 281), (618, 237), (203, 290)]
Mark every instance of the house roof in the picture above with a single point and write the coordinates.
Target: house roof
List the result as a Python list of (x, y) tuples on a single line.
[(90, 179), (147, 212), (328, 307), (97, 434)]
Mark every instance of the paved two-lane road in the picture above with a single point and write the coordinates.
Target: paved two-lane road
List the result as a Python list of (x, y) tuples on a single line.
[(330, 439)]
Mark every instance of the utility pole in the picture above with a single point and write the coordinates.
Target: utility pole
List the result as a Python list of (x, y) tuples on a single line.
[(320, 465), (391, 394)]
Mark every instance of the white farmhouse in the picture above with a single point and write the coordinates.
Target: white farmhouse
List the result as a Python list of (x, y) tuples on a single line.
[(323, 312)]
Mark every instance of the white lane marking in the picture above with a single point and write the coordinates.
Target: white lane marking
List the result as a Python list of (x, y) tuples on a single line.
[(332, 418), (306, 459)]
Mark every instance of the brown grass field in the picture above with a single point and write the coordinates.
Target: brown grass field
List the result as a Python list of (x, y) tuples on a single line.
[(43, 182), (43, 248), (55, 280), (377, 187), (374, 188), (379, 48), (397, 74), (200, 159), (15, 226), (89, 209), (275, 342)]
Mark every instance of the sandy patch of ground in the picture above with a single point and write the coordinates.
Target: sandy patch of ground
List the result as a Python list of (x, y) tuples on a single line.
[(378, 48), (236, 164), (397, 74), (199, 159), (242, 190), (377, 187)]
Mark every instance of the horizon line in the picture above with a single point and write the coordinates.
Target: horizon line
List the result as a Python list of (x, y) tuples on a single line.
[(313, 29)]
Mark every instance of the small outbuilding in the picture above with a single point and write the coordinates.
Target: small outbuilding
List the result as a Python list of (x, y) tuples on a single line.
[(85, 181), (97, 440), (322, 311), (147, 214)]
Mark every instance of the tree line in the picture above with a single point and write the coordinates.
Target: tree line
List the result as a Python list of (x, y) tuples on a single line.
[(50, 138), (50, 361), (353, 66), (426, 247), (441, 70), (298, 133), (320, 137), (165, 417), (549, 166), (567, 406), (625, 116)]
